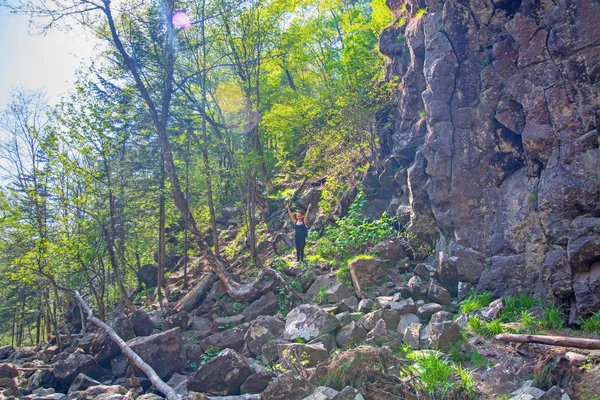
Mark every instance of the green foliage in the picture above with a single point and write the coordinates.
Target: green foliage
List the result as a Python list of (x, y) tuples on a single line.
[(209, 354), (438, 376), (420, 12), (542, 376), (353, 233), (475, 300), (321, 297), (283, 301), (484, 328), (592, 324), (515, 305), (296, 285)]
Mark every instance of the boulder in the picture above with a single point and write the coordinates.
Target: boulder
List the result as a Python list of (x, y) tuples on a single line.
[(312, 196), (181, 320), (327, 340), (555, 393), (438, 293), (231, 212), (418, 288), (223, 375), (427, 310), (104, 348), (412, 336), (282, 242), (365, 305), (406, 306), (442, 334), (350, 335), (381, 336), (148, 275), (390, 250), (497, 380), (308, 322), (118, 366), (348, 393), (349, 304), (265, 329), (322, 393), (367, 272), (67, 370), (441, 316), (425, 272), (44, 378), (265, 305), (162, 351), (492, 311), (103, 392), (141, 323), (391, 318), (296, 356), (179, 383), (288, 386), (257, 382), (335, 290), (81, 383), (224, 323), (270, 351), (6, 351), (405, 321), (200, 324), (231, 338), (8, 371)]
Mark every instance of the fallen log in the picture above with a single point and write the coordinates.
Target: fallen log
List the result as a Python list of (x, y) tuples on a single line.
[(561, 341), (195, 296), (158, 383)]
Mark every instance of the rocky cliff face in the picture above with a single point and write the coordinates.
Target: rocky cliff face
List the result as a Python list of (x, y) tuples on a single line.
[(491, 143)]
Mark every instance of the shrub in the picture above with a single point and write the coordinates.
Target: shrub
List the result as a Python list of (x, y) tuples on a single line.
[(487, 329), (515, 305), (475, 300), (322, 296), (592, 324)]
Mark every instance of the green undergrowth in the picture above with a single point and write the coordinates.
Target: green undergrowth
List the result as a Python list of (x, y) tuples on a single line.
[(475, 300), (352, 235), (516, 309), (439, 376), (461, 352), (592, 324)]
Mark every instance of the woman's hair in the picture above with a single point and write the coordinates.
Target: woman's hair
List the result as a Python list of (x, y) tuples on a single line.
[(299, 214)]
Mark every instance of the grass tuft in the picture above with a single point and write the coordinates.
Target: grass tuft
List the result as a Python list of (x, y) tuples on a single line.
[(592, 324), (475, 300)]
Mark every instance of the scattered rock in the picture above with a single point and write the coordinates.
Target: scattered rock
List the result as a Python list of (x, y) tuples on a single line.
[(367, 272), (412, 335), (296, 356), (118, 366), (288, 386), (265, 305), (442, 334), (148, 275), (391, 318), (335, 290), (224, 323), (104, 348), (349, 335), (103, 392), (256, 383), (6, 351), (81, 383), (231, 338), (438, 293), (223, 375), (389, 250), (576, 359), (349, 304), (418, 288), (381, 336), (427, 310), (497, 380), (365, 305), (8, 371), (162, 351), (308, 322), (141, 323), (67, 370), (349, 393), (181, 320), (425, 271), (322, 393), (264, 329), (555, 393), (405, 321)]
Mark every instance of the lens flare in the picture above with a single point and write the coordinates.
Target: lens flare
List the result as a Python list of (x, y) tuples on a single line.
[(181, 20)]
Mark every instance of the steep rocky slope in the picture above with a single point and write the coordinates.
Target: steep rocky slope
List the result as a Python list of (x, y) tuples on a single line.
[(492, 143)]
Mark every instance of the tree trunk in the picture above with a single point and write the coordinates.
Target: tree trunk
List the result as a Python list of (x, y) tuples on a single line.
[(562, 341), (162, 245)]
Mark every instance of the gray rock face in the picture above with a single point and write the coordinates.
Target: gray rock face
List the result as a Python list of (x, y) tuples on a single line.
[(502, 169), (223, 375), (141, 323), (288, 386), (231, 338), (265, 305), (297, 355), (162, 351), (181, 320), (350, 335), (308, 322)]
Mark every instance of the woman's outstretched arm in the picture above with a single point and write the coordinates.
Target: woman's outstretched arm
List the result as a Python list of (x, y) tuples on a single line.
[(307, 218), (290, 214)]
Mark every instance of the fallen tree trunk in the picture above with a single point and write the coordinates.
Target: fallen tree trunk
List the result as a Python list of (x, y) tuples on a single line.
[(158, 383), (165, 389), (195, 296), (562, 341)]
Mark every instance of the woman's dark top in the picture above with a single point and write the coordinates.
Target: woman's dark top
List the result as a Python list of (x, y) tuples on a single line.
[(300, 234)]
